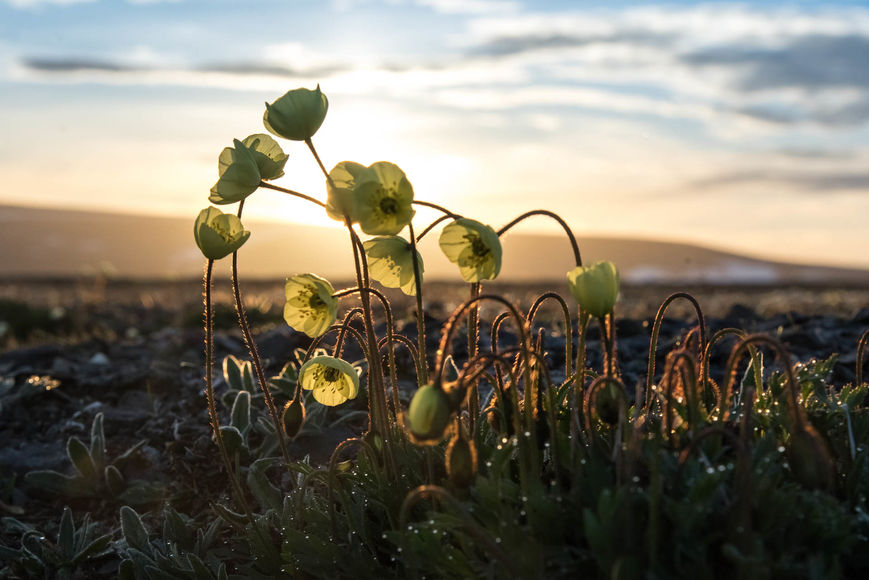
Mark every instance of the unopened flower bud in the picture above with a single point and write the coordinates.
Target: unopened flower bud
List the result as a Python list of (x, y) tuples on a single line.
[(595, 287), (429, 414), (461, 461), (297, 115), (293, 417)]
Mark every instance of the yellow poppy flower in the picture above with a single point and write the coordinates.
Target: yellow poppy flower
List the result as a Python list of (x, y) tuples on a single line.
[(310, 307), (390, 262), (331, 380), (218, 234), (475, 247)]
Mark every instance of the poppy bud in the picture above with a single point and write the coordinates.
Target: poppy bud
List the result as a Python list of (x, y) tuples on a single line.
[(218, 234), (293, 417), (461, 460), (595, 287), (429, 414), (297, 115)]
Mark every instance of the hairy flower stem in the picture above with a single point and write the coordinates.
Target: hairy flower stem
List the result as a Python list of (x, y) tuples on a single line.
[(861, 347), (390, 336), (447, 213), (795, 410), (473, 348), (268, 185), (573, 244), (527, 444), (209, 395), (577, 394), (607, 340), (422, 362), (431, 226), (656, 330), (377, 393), (568, 327), (254, 355)]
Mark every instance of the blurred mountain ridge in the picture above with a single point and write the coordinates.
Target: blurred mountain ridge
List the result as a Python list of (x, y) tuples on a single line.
[(39, 242)]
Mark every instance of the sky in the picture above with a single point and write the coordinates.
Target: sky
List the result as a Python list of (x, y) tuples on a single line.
[(742, 126)]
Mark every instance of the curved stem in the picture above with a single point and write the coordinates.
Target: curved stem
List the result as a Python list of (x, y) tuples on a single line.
[(573, 244), (861, 347), (339, 342), (254, 355), (473, 348), (568, 327), (267, 185), (793, 390), (442, 209), (682, 362), (209, 393), (377, 394), (422, 370), (431, 226), (656, 330)]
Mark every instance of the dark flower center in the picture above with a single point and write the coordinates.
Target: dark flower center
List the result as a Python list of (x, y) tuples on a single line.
[(331, 374), (388, 205)]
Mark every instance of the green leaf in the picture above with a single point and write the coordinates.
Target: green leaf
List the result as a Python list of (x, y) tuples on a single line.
[(56, 483), (66, 534), (124, 457), (175, 530), (263, 490), (98, 442), (81, 459), (134, 530), (240, 415), (114, 480), (233, 518), (232, 439), (97, 546), (232, 373)]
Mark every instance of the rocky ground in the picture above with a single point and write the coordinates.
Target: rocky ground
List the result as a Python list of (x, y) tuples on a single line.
[(134, 352)]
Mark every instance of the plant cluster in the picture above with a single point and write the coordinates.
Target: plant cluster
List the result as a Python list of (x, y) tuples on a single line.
[(498, 464)]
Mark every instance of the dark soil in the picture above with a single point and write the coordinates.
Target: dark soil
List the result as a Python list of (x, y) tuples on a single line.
[(134, 352)]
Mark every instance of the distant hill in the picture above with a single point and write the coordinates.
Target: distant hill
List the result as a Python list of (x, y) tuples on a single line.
[(48, 242)]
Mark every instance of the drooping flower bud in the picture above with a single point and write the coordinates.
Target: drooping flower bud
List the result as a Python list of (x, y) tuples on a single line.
[(293, 417), (429, 415), (595, 287), (297, 115), (218, 234), (461, 461)]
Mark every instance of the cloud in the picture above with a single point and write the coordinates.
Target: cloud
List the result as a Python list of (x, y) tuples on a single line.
[(815, 62), (816, 182), (68, 65)]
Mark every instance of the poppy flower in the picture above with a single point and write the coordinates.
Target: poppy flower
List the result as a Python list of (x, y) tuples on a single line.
[(331, 380), (475, 247), (310, 307), (218, 234), (390, 262)]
